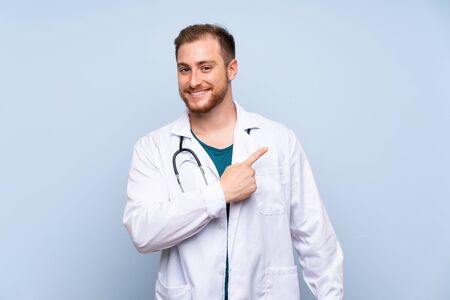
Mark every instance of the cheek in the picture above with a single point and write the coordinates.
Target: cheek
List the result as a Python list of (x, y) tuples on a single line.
[(181, 83), (219, 79)]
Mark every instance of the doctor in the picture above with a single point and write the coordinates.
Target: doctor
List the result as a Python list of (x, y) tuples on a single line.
[(227, 233)]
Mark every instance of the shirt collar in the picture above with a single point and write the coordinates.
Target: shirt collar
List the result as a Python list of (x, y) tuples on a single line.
[(245, 120)]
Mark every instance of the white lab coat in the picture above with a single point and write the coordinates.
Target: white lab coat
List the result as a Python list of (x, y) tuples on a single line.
[(190, 228)]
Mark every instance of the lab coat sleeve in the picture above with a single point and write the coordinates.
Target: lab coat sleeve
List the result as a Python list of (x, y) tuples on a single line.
[(313, 236), (154, 220)]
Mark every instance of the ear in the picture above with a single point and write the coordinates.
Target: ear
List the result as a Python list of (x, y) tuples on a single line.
[(232, 69)]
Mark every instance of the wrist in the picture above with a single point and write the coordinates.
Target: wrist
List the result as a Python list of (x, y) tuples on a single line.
[(214, 200), (225, 193)]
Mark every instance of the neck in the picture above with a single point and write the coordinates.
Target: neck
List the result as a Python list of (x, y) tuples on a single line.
[(216, 127), (220, 117)]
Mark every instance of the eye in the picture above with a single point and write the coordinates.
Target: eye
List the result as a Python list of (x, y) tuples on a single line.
[(206, 68), (183, 70)]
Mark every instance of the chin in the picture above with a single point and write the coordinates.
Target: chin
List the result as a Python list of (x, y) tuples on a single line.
[(201, 108), (200, 105)]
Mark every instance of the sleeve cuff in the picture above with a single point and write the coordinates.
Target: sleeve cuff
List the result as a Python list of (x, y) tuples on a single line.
[(214, 200)]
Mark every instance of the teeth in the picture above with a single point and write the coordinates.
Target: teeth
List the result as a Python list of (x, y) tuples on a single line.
[(198, 93)]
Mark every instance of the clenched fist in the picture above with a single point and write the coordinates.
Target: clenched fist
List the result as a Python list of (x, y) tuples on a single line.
[(238, 180)]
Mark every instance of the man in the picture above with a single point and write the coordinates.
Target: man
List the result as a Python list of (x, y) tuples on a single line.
[(227, 229)]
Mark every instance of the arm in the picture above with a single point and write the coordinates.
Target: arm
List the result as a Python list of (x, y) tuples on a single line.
[(312, 233), (153, 219)]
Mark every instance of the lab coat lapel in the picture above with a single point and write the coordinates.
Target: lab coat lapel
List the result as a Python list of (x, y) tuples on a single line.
[(244, 145), (182, 128)]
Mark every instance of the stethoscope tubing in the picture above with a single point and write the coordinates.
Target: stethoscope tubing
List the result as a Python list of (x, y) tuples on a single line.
[(199, 164), (174, 163)]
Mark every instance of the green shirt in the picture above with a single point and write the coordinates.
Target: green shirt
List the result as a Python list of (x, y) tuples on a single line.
[(221, 159)]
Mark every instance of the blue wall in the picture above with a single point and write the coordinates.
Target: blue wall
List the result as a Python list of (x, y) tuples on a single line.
[(365, 84)]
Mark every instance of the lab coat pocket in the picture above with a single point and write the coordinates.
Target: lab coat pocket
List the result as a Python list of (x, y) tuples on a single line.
[(164, 292), (269, 193), (281, 283)]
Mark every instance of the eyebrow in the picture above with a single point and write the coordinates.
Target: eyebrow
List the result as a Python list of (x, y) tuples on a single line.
[(199, 63)]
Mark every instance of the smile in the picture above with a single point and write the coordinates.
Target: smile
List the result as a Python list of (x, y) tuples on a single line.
[(198, 93)]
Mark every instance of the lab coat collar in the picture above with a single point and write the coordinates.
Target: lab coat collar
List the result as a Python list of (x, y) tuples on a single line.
[(245, 120)]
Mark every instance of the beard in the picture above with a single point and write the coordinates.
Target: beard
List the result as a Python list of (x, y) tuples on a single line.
[(217, 97)]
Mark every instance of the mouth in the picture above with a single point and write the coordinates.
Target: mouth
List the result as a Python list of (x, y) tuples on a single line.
[(198, 93)]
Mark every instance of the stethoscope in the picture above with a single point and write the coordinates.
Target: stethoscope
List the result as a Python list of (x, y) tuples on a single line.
[(199, 164)]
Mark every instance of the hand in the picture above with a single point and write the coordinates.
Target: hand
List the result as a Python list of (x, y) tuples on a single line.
[(238, 180)]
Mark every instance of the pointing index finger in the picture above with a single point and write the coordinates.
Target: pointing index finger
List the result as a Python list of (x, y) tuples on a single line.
[(254, 157)]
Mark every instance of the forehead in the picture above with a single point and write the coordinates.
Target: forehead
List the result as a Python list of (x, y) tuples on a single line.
[(206, 48)]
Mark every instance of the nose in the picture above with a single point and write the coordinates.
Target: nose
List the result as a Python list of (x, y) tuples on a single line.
[(195, 79)]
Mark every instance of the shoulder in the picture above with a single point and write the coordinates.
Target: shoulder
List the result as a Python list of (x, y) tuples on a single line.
[(154, 138), (278, 137), (274, 129)]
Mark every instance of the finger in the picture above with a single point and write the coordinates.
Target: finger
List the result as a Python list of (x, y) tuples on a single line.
[(254, 157)]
